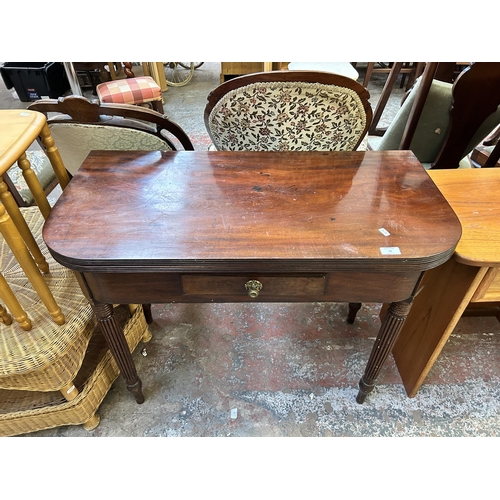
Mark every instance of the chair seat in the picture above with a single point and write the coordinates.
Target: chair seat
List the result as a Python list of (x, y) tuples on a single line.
[(137, 90)]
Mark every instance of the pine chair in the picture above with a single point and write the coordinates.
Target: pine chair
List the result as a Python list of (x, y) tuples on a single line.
[(54, 367)]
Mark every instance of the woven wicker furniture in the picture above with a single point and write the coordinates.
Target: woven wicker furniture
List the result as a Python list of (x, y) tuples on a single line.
[(51, 370)]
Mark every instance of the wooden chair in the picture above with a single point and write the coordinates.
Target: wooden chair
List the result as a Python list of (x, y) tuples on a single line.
[(133, 90), (81, 125), (414, 70), (99, 127), (54, 367), (288, 110), (443, 122), (409, 71)]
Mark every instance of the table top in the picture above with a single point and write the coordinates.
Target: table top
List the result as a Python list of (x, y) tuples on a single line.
[(19, 128), (277, 211), (474, 196)]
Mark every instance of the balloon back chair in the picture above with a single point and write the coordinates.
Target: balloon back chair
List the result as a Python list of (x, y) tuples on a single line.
[(288, 111)]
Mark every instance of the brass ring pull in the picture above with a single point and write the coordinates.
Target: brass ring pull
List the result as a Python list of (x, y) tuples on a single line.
[(253, 287)]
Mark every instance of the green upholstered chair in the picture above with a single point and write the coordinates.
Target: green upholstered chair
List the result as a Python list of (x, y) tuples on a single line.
[(288, 111), (453, 120), (81, 125)]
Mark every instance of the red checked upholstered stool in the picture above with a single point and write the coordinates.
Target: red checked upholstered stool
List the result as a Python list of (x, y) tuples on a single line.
[(138, 90)]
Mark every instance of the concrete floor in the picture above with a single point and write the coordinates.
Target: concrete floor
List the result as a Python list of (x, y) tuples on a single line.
[(288, 369)]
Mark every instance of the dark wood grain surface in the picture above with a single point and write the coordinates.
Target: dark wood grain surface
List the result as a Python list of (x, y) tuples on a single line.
[(146, 227), (281, 212)]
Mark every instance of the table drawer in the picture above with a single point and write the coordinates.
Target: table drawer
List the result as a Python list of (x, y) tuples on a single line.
[(285, 286), (338, 286)]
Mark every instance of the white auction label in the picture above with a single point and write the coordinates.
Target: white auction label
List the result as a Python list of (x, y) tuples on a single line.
[(390, 251)]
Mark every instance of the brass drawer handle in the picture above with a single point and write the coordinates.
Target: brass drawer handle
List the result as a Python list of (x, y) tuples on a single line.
[(253, 287)]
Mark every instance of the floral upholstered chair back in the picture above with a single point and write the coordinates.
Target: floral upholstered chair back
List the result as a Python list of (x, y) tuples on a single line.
[(288, 111)]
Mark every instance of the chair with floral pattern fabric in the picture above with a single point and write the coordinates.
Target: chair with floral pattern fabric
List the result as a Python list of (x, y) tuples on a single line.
[(288, 111)]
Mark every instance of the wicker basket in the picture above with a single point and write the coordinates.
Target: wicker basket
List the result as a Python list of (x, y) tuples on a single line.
[(26, 411), (47, 357)]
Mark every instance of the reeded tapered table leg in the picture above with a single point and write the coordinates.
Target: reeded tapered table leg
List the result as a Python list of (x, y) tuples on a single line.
[(387, 336), (118, 346)]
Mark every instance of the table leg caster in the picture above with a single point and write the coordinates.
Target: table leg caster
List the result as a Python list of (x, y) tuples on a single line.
[(136, 391), (364, 390)]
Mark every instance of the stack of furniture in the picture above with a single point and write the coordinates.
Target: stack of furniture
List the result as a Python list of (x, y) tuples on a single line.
[(55, 367)]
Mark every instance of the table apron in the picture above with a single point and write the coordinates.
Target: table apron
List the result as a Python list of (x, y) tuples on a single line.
[(338, 286)]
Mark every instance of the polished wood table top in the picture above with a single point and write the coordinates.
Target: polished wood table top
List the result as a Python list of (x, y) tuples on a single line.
[(305, 211), (149, 227)]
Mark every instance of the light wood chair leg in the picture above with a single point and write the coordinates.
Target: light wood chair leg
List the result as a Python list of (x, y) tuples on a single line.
[(15, 214), (34, 184), (5, 317), (18, 247), (13, 305), (70, 392), (54, 157)]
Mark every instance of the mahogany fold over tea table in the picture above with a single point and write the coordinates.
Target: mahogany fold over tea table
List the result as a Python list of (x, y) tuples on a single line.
[(155, 227)]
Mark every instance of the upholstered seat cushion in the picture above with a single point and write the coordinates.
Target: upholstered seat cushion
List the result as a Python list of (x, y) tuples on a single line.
[(129, 91), (281, 116)]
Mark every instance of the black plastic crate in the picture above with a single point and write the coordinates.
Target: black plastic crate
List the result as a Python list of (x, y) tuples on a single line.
[(35, 80)]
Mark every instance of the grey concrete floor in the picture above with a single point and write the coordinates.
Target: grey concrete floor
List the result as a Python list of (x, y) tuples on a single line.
[(288, 370)]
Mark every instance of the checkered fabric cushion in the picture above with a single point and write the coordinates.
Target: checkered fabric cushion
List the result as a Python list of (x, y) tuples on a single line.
[(129, 91)]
